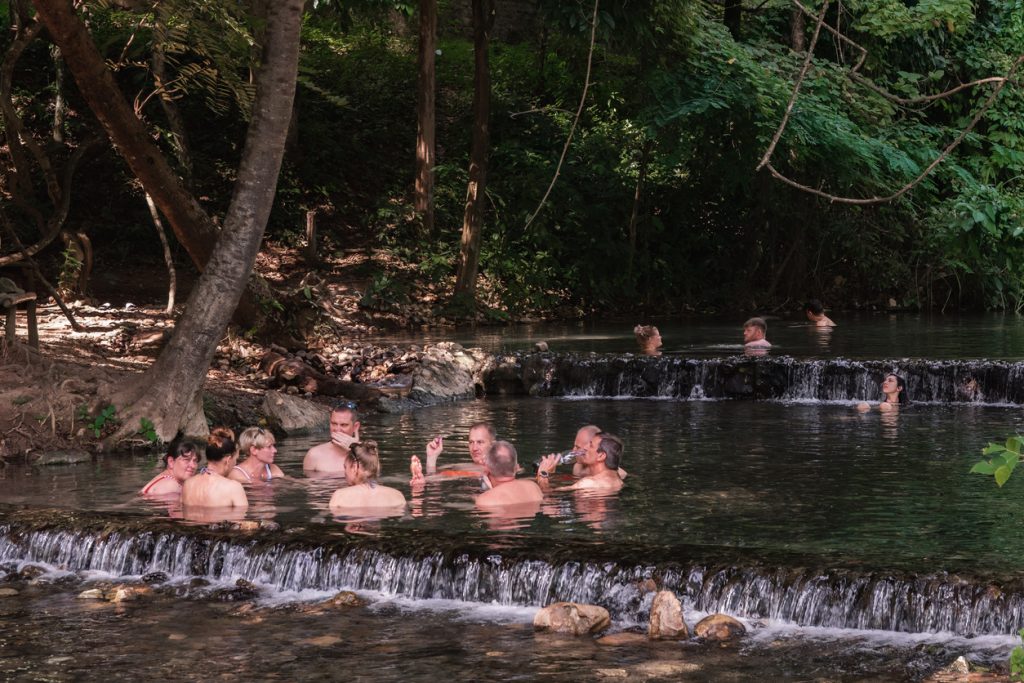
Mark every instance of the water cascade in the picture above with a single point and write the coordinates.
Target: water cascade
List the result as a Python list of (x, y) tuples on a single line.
[(461, 569), (739, 377)]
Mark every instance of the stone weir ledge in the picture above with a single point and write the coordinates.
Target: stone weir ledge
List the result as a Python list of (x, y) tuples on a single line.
[(394, 379), (63, 546)]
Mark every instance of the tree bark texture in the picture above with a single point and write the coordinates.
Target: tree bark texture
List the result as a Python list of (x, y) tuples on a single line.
[(797, 29), (168, 390), (425, 117), (192, 226), (473, 217)]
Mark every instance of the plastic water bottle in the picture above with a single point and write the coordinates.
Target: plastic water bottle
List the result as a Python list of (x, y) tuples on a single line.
[(564, 458)]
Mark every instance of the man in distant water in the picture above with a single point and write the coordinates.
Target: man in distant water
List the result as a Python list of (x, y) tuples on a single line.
[(330, 457), (754, 332), (602, 458), (815, 312), (501, 466)]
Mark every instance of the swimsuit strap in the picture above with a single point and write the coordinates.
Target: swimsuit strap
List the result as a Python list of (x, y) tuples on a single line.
[(270, 474), (153, 483), (236, 467)]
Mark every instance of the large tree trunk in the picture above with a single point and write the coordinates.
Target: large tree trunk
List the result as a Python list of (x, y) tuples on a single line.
[(169, 389), (190, 223), (425, 117), (473, 218)]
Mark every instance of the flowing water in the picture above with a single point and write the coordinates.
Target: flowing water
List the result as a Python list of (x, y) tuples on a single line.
[(854, 546)]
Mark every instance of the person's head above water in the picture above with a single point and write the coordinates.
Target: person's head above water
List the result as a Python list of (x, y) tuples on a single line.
[(895, 389), (583, 436), (648, 338), (611, 446), (754, 331), (219, 445), (502, 460), (814, 307), (481, 437), (364, 458)]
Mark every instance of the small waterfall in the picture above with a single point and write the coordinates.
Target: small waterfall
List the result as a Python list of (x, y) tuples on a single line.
[(291, 561), (739, 377)]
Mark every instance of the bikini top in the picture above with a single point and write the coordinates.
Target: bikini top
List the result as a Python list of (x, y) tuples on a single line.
[(153, 483), (270, 474)]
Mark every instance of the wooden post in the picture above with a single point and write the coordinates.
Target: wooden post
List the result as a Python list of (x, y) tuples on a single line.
[(310, 255)]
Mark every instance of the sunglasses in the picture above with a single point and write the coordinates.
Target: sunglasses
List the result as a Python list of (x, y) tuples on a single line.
[(348, 405)]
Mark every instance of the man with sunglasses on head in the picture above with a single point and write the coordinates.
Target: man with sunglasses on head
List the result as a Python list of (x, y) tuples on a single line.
[(329, 458)]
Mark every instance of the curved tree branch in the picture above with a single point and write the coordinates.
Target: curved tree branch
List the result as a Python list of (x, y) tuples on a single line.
[(576, 120), (1000, 82)]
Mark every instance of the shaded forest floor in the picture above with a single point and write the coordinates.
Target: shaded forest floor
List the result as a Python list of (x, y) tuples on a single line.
[(50, 400)]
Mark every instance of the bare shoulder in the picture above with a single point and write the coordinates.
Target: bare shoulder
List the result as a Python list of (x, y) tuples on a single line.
[(391, 496), (512, 493)]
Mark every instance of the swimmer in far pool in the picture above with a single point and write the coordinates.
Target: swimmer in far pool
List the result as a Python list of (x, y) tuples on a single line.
[(815, 312)]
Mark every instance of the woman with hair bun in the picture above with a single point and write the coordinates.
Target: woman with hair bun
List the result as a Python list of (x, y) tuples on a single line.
[(212, 489), (894, 389), (362, 467)]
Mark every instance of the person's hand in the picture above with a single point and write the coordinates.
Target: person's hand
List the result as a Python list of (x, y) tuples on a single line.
[(344, 440), (416, 469), (435, 448), (548, 464)]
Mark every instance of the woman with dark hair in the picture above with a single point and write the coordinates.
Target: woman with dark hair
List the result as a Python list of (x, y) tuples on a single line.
[(362, 467), (213, 489), (894, 389), (179, 464)]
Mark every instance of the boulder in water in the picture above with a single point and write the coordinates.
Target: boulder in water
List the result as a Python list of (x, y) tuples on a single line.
[(294, 415), (719, 627), (91, 594), (155, 577), (7, 592), (570, 617), (124, 594), (667, 618), (345, 599)]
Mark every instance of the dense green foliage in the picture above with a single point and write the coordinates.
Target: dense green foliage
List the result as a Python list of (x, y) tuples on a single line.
[(658, 204)]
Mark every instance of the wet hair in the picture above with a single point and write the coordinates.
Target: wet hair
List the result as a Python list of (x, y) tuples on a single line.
[(365, 455), (178, 448), (611, 446), (902, 386), (225, 432), (502, 459), (220, 444), (485, 425), (645, 333), (254, 437), (758, 323), (815, 306)]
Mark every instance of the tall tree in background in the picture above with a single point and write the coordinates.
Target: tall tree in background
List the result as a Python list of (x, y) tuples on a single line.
[(167, 393), (473, 218), (425, 117)]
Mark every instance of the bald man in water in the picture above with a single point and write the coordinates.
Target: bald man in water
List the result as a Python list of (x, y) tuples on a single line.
[(580, 468), (502, 464)]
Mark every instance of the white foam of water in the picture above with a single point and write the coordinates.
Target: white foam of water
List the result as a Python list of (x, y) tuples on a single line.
[(470, 611)]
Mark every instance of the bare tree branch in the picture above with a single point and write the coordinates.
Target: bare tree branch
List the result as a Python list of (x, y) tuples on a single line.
[(576, 120), (999, 81)]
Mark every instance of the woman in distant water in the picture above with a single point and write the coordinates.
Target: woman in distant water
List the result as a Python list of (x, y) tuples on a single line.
[(362, 467), (257, 444), (648, 339), (179, 464), (895, 391)]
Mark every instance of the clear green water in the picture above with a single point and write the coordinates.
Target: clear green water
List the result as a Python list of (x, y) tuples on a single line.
[(820, 482)]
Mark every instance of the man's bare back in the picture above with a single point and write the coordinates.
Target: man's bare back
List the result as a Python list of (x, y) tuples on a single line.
[(515, 492)]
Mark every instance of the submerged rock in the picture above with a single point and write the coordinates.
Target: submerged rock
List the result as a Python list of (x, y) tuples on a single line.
[(720, 627), (155, 577), (345, 599), (31, 571), (570, 617), (667, 618), (623, 638), (7, 592), (62, 458), (92, 594), (124, 594)]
